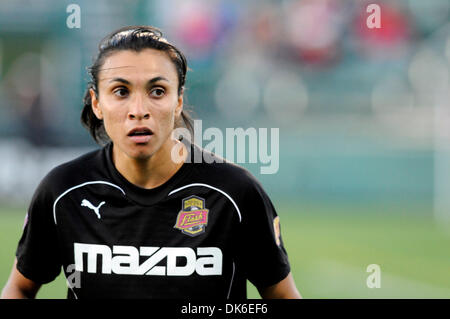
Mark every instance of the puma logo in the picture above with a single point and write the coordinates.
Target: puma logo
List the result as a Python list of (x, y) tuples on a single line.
[(88, 204)]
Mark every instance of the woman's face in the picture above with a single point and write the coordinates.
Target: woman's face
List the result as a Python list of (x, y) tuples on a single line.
[(138, 101)]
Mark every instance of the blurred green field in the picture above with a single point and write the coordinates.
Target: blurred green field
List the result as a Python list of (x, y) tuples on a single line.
[(330, 248)]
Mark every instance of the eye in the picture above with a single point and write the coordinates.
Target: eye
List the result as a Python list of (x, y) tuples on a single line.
[(121, 92), (157, 92)]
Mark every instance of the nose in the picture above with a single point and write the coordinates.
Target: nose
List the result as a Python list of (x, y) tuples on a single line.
[(138, 110)]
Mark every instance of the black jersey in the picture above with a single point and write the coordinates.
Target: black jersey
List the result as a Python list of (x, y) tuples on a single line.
[(201, 234)]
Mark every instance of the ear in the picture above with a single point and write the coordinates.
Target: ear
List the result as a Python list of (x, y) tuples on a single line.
[(179, 107), (95, 105)]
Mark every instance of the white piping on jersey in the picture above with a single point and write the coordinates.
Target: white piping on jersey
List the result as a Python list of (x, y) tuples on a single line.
[(76, 297), (78, 186), (231, 283), (209, 186), (68, 285)]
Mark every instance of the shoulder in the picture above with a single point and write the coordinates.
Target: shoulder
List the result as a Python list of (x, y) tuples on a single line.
[(228, 176), (237, 184), (86, 166)]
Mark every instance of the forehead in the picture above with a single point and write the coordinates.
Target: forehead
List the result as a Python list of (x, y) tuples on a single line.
[(145, 63)]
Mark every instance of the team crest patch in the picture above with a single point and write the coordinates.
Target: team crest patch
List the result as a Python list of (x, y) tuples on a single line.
[(193, 217)]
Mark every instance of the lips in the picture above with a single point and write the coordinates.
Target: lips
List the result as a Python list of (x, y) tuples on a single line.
[(140, 134)]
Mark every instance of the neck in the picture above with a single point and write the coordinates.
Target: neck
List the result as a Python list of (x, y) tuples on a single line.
[(153, 171)]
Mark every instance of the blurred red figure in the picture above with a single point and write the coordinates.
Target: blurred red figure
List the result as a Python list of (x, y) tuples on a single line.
[(314, 29), (388, 41)]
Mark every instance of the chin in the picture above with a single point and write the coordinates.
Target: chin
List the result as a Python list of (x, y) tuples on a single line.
[(142, 154), (145, 151)]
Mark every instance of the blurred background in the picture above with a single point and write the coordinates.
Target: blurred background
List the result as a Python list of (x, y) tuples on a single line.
[(364, 119)]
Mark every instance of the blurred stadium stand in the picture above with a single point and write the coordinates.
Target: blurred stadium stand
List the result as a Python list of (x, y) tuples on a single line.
[(355, 107)]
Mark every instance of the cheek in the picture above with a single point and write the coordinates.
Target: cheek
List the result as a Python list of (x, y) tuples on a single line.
[(113, 120), (165, 117), (164, 120)]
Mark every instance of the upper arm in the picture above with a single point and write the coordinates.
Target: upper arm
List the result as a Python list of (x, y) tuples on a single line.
[(18, 286), (38, 255), (260, 240), (285, 289)]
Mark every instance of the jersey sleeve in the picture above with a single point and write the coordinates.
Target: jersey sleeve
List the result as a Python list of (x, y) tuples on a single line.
[(262, 251), (37, 252)]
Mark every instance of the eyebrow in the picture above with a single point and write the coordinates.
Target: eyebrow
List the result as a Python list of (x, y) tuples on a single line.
[(151, 81)]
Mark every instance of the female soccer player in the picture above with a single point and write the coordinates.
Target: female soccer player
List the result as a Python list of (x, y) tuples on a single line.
[(130, 221)]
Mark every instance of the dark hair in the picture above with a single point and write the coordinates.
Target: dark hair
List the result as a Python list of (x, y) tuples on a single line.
[(134, 38)]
